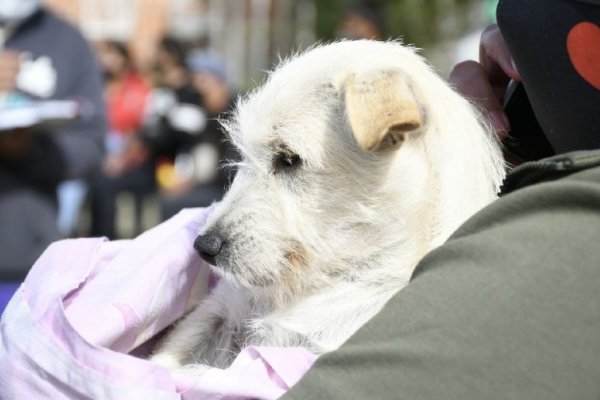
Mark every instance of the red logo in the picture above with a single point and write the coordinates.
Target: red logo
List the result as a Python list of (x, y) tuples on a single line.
[(583, 45)]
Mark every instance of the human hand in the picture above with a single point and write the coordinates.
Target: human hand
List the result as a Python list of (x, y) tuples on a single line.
[(485, 82), (9, 69)]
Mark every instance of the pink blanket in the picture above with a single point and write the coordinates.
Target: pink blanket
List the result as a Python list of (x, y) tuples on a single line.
[(89, 304)]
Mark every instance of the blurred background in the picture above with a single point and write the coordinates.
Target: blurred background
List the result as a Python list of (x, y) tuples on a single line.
[(244, 38), (146, 141), (251, 34)]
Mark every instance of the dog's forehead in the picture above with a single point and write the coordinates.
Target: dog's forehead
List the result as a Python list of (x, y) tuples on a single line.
[(290, 118), (291, 109), (297, 105)]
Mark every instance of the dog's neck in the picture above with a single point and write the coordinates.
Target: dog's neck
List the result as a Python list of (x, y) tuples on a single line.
[(367, 273)]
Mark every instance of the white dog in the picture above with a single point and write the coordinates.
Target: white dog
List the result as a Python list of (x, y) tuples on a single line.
[(357, 161)]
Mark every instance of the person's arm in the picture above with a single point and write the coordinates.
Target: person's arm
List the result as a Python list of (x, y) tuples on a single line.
[(9, 69), (556, 46), (25, 158)]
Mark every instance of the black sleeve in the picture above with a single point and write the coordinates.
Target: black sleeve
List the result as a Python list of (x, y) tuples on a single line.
[(556, 48)]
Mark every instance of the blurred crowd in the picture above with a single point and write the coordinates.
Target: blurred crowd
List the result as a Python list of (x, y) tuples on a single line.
[(163, 133), (81, 123)]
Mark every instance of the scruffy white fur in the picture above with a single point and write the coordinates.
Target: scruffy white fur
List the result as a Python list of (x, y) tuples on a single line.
[(312, 252)]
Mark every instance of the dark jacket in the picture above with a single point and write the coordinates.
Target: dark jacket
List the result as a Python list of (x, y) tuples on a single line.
[(74, 150), (28, 183)]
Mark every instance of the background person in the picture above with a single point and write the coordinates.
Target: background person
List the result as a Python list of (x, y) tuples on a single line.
[(126, 166), (43, 58), (125, 94), (173, 114), (362, 19), (207, 151)]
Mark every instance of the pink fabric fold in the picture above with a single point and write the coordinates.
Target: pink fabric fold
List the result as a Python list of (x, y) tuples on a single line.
[(87, 303)]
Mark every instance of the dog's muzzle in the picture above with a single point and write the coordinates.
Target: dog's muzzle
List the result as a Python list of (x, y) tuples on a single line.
[(208, 246)]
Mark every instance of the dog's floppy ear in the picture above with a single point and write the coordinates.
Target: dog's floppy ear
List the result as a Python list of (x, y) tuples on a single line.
[(381, 108)]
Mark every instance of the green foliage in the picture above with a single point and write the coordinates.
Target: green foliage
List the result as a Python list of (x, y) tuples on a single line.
[(420, 22), (329, 13)]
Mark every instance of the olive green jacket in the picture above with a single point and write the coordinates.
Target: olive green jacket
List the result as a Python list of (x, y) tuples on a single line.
[(508, 308)]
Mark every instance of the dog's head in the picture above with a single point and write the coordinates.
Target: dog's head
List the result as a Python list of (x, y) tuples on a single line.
[(356, 160)]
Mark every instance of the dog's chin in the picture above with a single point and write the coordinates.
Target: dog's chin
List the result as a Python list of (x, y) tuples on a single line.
[(241, 275)]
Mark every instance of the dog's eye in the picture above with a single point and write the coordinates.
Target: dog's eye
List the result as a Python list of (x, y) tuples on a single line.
[(284, 161)]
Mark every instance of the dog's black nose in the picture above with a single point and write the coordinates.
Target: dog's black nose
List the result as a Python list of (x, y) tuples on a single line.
[(208, 246)]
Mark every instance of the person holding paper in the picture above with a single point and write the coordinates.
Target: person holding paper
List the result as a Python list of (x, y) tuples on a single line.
[(42, 59)]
